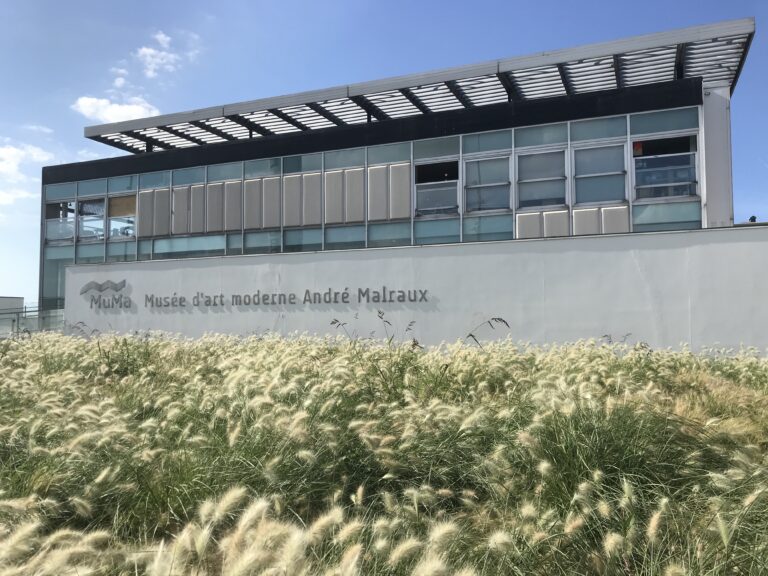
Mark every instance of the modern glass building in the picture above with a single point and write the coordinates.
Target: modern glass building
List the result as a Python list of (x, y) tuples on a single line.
[(624, 137)]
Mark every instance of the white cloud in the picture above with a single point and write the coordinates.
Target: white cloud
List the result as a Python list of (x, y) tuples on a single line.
[(84, 154), (10, 195), (12, 157), (119, 71), (38, 128), (118, 82), (106, 111), (163, 39)]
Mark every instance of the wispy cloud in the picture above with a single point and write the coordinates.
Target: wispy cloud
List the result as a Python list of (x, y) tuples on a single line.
[(17, 161), (38, 128), (107, 111)]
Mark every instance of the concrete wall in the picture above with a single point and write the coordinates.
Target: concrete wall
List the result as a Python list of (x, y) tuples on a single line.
[(702, 288)]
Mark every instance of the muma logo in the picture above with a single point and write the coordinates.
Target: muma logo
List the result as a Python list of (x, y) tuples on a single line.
[(106, 295)]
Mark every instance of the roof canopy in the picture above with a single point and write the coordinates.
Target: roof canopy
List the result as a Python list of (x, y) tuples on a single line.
[(715, 52)]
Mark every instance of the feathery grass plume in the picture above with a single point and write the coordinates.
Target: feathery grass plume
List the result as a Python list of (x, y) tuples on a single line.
[(573, 523), (465, 571), (627, 495), (404, 550), (431, 565), (350, 561), (20, 542), (544, 467), (358, 496), (227, 503), (604, 509), (654, 524), (674, 570), (81, 506), (292, 559), (753, 496), (613, 544), (442, 534), (350, 531), (324, 525), (500, 541), (528, 511)]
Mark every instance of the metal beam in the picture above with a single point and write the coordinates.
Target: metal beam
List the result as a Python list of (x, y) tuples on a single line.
[(680, 61), (415, 100), (370, 107), (116, 144), (328, 115), (286, 118), (212, 130), (149, 141), (513, 92), (617, 71), (456, 90), (180, 134), (747, 44), (565, 79), (251, 125)]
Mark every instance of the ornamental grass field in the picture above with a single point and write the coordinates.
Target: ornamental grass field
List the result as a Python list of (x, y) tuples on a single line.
[(161, 456)]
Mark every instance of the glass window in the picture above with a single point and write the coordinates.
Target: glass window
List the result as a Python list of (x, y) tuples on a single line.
[(665, 121), (600, 174), (55, 258), (90, 220), (389, 234), (344, 237), (234, 243), (121, 251), (262, 242), (190, 247), (92, 188), (219, 172), (122, 216), (60, 220), (154, 180), (436, 231), (599, 128), (59, 191), (666, 216), (665, 176), (541, 179), (487, 184), (344, 158), (305, 163), (263, 167), (144, 250), (541, 135), (436, 186), (303, 240), (501, 140), (436, 147), (486, 228), (389, 153), (187, 176), (90, 253), (123, 184)]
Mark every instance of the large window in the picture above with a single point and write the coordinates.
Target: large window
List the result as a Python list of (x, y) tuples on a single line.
[(600, 175), (436, 186), (90, 220), (665, 167), (487, 184), (60, 220), (122, 217), (541, 179)]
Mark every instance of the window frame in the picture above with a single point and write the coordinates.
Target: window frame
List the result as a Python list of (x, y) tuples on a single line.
[(479, 157), (592, 145), (697, 165), (108, 217), (415, 198), (530, 150)]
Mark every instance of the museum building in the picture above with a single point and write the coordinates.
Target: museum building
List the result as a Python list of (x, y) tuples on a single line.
[(623, 137)]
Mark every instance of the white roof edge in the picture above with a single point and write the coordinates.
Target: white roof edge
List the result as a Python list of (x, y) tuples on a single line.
[(602, 49)]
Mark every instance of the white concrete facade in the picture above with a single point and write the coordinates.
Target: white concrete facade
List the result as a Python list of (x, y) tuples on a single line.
[(701, 288)]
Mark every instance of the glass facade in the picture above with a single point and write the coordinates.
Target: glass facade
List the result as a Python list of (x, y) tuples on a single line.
[(465, 188)]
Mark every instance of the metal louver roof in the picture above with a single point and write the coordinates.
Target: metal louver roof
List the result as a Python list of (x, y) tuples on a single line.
[(714, 52)]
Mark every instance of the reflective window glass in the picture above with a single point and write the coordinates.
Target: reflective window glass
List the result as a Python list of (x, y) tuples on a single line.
[(305, 163), (487, 228), (664, 176), (541, 193), (604, 160), (55, 258), (436, 147), (92, 188), (538, 166), (90, 253), (599, 128), (389, 153), (344, 237), (262, 167), (154, 180), (234, 243), (60, 220), (436, 231), (344, 158), (600, 174), (122, 216), (389, 234), (187, 176), (59, 191), (121, 251), (90, 220), (541, 179), (501, 140), (666, 216), (303, 240), (487, 184), (219, 172), (123, 184), (190, 247), (144, 250), (541, 135), (664, 121), (262, 242)]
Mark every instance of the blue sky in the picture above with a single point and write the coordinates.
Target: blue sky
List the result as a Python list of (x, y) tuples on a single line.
[(66, 65)]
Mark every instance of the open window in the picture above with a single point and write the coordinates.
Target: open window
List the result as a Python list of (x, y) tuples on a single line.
[(665, 167), (436, 188)]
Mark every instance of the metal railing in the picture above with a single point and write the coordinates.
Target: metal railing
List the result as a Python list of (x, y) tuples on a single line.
[(29, 319)]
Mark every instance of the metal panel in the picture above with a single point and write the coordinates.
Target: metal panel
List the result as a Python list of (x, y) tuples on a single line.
[(162, 216), (292, 200), (334, 197), (312, 199), (586, 221), (354, 191), (145, 212), (615, 219), (718, 183), (214, 210), (233, 205), (377, 193), (528, 225), (180, 210), (556, 223), (197, 209), (271, 188), (252, 217), (400, 191)]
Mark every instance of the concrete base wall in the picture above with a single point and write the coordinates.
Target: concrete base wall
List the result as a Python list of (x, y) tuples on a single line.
[(701, 288)]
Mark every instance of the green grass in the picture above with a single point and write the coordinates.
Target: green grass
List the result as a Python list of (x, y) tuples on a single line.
[(150, 455)]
